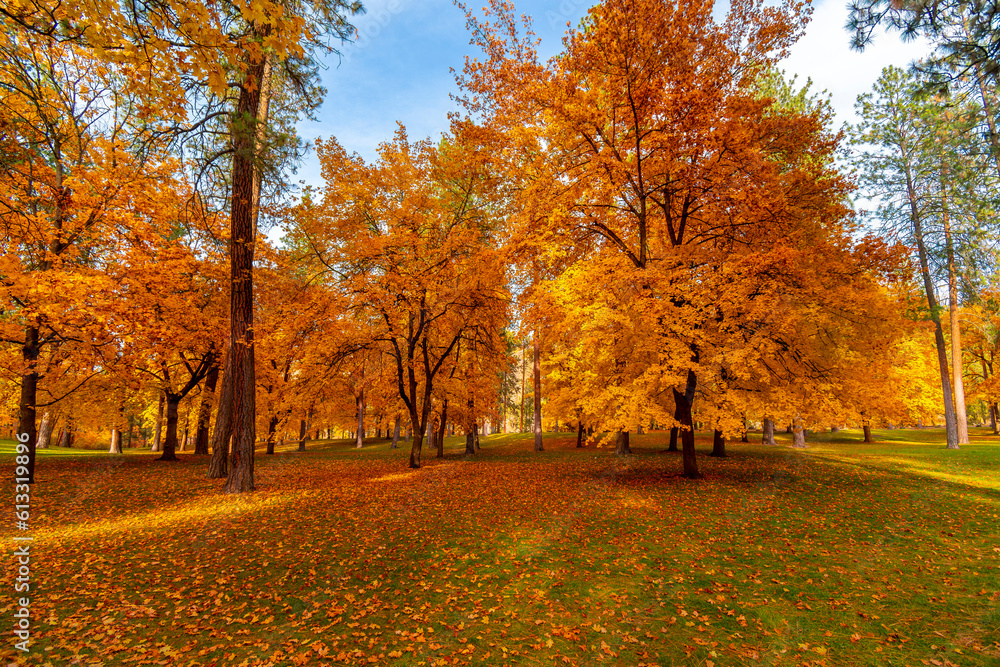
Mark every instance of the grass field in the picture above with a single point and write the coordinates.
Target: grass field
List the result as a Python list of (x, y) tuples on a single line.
[(840, 554)]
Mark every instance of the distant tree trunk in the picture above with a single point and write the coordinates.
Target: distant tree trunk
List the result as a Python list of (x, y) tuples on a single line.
[(673, 440), (158, 426), (768, 437), (45, 430), (431, 432), (682, 413), (621, 443), (395, 434), (442, 430), (537, 376), (66, 437), (718, 444), (475, 434), (746, 435), (205, 410), (579, 433), (170, 442), (798, 432), (218, 466), (360, 406), (116, 442), (272, 424), (993, 418), (470, 440)]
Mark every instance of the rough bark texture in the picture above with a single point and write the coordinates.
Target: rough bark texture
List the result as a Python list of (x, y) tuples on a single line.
[(868, 433), (205, 411), (682, 413), (622, 443), (218, 466), (768, 428), (45, 430), (537, 384), (243, 223), (302, 435), (718, 444)]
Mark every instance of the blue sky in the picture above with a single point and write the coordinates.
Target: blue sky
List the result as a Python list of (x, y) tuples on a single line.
[(398, 70)]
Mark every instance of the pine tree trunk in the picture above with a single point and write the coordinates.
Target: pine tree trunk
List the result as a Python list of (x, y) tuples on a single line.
[(158, 427), (682, 413), (537, 377), (768, 428), (170, 441), (45, 430), (244, 210), (718, 444), (961, 419), (205, 409), (218, 466)]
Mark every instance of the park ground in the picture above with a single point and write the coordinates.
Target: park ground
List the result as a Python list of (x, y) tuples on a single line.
[(843, 553)]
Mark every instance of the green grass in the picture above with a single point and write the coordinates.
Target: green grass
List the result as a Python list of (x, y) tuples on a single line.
[(840, 554)]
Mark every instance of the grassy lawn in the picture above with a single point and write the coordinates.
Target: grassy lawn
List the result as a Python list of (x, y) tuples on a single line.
[(839, 554)]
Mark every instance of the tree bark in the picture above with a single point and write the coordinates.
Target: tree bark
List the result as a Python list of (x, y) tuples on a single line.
[(272, 424), (395, 434), (537, 385), (622, 443), (682, 413), (116, 442), (170, 441), (579, 433), (442, 429), (218, 466), (672, 447), (244, 209), (205, 411), (26, 432), (158, 426), (302, 435), (961, 419), (868, 432), (798, 432), (360, 407), (66, 438), (45, 430), (718, 444), (768, 428)]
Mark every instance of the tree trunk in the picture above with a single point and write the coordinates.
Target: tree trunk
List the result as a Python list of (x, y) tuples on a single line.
[(579, 433), (360, 407), (218, 466), (768, 428), (416, 442), (718, 444), (170, 441), (868, 432), (961, 419), (672, 447), (994, 421), (205, 410), (302, 435), (951, 429), (395, 434), (621, 443), (475, 435), (244, 209), (45, 430), (26, 432), (272, 424), (116, 442), (158, 426), (682, 413), (470, 440), (537, 384), (746, 435), (798, 432), (442, 429), (66, 437), (431, 432)]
